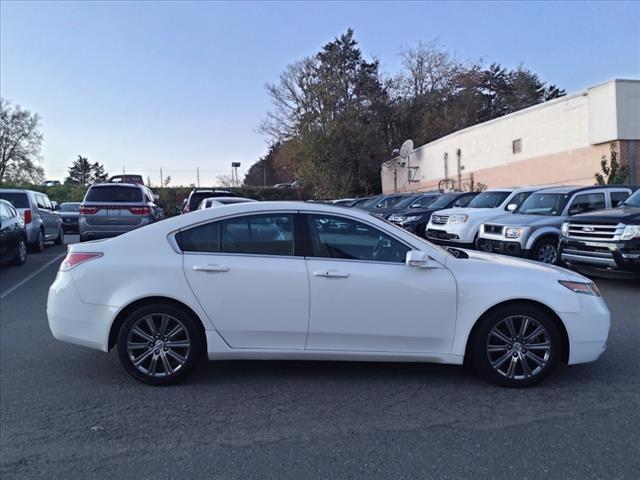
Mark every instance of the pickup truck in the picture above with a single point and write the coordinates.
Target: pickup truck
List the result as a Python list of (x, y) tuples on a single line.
[(604, 242), (533, 230)]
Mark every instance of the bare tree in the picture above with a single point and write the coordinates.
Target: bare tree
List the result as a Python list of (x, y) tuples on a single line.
[(427, 68), (225, 180), (20, 142)]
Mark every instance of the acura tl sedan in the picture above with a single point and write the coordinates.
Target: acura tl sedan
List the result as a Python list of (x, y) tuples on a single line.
[(292, 280)]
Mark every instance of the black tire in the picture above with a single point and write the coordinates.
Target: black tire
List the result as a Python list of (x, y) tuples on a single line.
[(541, 251), (38, 246), (60, 239), (519, 352), (158, 351), (21, 253)]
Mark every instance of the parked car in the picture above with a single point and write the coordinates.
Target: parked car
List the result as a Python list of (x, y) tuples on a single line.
[(215, 282), (13, 235), (218, 201), (51, 183), (422, 199), (111, 209), (605, 242), (199, 194), (416, 217), (69, 213), (127, 178), (42, 222), (361, 202), (345, 202), (460, 227), (533, 230)]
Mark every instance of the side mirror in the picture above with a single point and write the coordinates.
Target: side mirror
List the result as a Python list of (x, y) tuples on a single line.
[(512, 207), (619, 203), (417, 258)]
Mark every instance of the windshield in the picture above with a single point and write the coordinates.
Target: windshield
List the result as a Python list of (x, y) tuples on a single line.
[(443, 201), (424, 201), (543, 204), (633, 200), (405, 202), (488, 200), (69, 207), (17, 199), (115, 194), (389, 201)]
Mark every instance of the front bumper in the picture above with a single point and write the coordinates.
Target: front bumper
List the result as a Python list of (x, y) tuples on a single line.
[(587, 330), (74, 321), (502, 246), (443, 237), (621, 257)]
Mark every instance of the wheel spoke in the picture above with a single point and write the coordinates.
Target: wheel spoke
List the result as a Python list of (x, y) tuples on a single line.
[(153, 364), (539, 361), (151, 324), (538, 331), (165, 363), (525, 366), (179, 344), (512, 367), (142, 334), (497, 348), (497, 333), (164, 322), (523, 326), (137, 345), (138, 361), (179, 358), (499, 362), (176, 330), (546, 346), (511, 327)]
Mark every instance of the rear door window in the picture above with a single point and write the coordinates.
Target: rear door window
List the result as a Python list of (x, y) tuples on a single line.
[(203, 238), (270, 234), (114, 194), (17, 199), (40, 201)]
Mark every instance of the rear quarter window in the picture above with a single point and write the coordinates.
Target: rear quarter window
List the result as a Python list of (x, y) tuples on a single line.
[(114, 194), (17, 199)]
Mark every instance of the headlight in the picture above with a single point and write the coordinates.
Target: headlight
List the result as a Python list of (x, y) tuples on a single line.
[(581, 287), (511, 232), (396, 218), (564, 229), (630, 232), (412, 218), (458, 218)]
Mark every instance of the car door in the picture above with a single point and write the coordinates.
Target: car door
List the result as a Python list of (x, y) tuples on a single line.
[(365, 298), (5, 232), (246, 277), (587, 201), (45, 209)]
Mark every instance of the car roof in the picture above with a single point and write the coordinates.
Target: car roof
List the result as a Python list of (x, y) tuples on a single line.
[(573, 188), (117, 184)]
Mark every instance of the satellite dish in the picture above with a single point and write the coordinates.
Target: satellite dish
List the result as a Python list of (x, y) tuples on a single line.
[(406, 148)]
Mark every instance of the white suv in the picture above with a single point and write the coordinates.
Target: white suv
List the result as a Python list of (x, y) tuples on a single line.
[(459, 227)]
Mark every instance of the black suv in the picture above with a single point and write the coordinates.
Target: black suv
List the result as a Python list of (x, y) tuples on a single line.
[(604, 242), (199, 194)]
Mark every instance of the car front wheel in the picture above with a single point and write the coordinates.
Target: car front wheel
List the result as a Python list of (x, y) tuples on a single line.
[(21, 253), (546, 251), (160, 344), (516, 346)]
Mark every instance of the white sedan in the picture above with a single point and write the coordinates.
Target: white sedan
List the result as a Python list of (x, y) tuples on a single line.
[(292, 280)]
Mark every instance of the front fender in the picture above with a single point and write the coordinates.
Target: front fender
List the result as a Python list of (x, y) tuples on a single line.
[(539, 233)]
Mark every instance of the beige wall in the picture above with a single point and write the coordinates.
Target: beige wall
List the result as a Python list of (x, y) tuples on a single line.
[(562, 143)]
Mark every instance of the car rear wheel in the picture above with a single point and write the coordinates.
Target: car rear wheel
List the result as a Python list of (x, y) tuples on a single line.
[(21, 253), (516, 346), (38, 246), (60, 239), (160, 344)]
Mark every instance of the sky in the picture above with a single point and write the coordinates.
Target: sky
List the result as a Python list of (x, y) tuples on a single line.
[(180, 86)]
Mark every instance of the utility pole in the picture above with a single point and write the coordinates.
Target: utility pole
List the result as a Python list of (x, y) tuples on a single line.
[(459, 155), (123, 170), (198, 176), (161, 178)]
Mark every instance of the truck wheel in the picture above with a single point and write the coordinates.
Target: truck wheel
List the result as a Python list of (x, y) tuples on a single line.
[(546, 251)]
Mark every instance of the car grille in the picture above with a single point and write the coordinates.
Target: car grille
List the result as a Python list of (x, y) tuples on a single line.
[(439, 219), (494, 229), (585, 231), (395, 218)]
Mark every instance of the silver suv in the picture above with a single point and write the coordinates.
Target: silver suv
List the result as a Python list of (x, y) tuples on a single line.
[(42, 222), (110, 209), (533, 230)]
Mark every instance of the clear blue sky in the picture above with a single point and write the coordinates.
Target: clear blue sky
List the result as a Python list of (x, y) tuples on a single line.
[(180, 85)]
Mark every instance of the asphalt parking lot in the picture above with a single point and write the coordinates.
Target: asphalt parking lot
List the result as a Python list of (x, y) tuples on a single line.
[(71, 412)]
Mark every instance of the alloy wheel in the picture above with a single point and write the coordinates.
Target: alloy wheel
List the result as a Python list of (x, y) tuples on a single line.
[(547, 253), (158, 345), (519, 347), (22, 252)]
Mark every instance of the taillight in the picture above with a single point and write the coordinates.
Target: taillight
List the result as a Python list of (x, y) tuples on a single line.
[(27, 216), (140, 210), (75, 259), (84, 210)]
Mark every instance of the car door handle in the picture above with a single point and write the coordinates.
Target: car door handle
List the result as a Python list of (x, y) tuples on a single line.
[(210, 268), (330, 273)]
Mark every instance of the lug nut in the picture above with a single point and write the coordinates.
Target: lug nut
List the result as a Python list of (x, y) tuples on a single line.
[(157, 352)]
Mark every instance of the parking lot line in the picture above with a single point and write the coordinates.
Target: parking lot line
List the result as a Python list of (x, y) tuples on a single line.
[(31, 275)]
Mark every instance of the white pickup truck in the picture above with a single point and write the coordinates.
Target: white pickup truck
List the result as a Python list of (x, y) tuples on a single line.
[(459, 227)]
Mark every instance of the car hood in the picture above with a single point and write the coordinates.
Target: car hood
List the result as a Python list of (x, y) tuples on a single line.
[(517, 220), (628, 215), (501, 262), (415, 211)]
